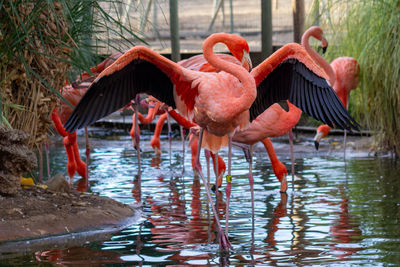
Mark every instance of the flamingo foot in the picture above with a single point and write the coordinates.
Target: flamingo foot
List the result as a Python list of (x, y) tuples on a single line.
[(284, 185), (223, 240)]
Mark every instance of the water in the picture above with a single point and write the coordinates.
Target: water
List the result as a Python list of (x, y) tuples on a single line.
[(337, 213)]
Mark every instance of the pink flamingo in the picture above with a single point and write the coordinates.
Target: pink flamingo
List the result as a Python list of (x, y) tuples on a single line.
[(73, 93), (59, 116), (343, 75), (220, 103)]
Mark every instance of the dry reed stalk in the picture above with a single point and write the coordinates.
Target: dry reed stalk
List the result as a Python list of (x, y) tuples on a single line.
[(22, 88)]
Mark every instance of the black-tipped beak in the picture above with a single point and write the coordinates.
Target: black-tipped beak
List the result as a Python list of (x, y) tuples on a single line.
[(324, 49), (316, 143)]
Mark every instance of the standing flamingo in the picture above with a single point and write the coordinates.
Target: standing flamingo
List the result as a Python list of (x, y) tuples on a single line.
[(343, 74), (219, 102), (59, 116), (73, 93)]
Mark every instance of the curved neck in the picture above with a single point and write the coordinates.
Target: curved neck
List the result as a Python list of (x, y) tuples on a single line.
[(181, 120), (270, 149), (314, 55), (236, 70), (342, 93)]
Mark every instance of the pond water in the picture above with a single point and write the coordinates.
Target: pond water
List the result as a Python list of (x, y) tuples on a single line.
[(336, 213)]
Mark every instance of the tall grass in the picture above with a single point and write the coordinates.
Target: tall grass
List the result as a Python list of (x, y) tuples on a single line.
[(369, 30), (41, 42)]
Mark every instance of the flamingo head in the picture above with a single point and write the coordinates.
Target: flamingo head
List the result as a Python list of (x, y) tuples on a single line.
[(240, 50), (281, 173), (322, 131), (317, 33)]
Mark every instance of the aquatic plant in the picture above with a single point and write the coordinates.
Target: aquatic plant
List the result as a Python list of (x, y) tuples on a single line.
[(40, 43), (368, 30)]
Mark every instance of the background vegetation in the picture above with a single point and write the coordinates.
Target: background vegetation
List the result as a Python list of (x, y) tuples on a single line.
[(40, 42), (368, 30)]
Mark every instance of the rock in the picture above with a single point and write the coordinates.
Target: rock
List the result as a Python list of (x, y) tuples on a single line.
[(58, 183), (9, 184), (15, 159)]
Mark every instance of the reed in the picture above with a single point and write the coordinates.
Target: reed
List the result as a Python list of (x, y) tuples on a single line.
[(42, 43), (369, 30)]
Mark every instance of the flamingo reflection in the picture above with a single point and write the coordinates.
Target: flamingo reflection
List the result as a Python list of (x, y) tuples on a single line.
[(176, 230), (344, 230)]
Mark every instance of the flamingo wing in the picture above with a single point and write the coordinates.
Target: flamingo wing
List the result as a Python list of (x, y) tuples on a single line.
[(139, 70), (293, 80)]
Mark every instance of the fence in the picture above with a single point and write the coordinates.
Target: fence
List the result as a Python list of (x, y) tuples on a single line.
[(198, 19)]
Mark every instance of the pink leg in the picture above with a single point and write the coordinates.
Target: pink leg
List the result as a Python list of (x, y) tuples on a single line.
[(291, 154), (251, 182), (344, 144), (207, 155), (87, 157), (137, 139), (183, 146), (228, 185), (222, 238)]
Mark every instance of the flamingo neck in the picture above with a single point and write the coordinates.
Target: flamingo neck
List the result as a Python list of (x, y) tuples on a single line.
[(314, 55), (342, 93), (270, 150), (249, 87)]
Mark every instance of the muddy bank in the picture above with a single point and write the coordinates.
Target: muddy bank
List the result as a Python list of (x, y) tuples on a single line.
[(37, 212), (34, 211)]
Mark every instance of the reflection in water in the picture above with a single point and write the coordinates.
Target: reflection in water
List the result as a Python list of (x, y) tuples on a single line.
[(344, 230), (74, 255), (314, 224)]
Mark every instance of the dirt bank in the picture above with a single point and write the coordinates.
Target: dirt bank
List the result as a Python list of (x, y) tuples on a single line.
[(37, 212), (33, 211)]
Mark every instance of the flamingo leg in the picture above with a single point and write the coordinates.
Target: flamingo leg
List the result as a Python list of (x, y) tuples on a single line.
[(183, 147), (207, 155), (216, 185), (290, 134), (228, 185), (137, 135), (344, 144), (87, 156), (251, 182), (222, 238), (169, 137)]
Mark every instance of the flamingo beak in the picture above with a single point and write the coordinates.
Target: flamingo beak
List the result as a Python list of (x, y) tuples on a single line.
[(284, 184), (317, 139), (324, 45), (246, 61)]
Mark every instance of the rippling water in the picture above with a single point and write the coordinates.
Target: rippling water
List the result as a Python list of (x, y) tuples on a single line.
[(336, 213)]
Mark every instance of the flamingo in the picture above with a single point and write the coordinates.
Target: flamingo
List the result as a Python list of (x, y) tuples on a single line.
[(73, 93), (343, 75), (220, 103), (59, 116)]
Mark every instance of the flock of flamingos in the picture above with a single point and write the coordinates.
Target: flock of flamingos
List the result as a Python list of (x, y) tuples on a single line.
[(219, 98)]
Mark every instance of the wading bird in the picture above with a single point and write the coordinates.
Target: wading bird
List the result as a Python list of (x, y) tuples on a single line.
[(343, 75)]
